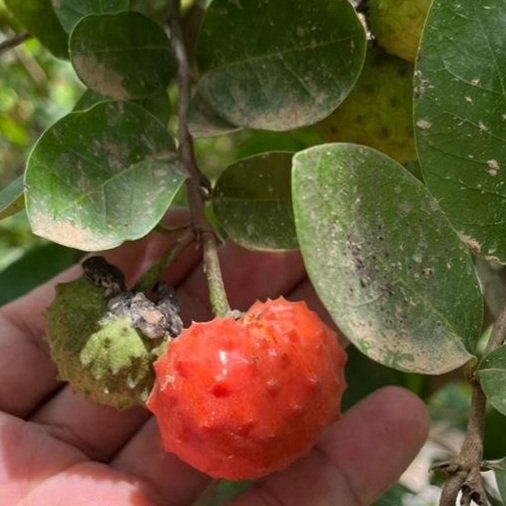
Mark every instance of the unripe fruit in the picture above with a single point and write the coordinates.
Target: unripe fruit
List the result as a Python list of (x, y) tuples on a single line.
[(239, 399), (397, 25), (105, 347), (379, 110)]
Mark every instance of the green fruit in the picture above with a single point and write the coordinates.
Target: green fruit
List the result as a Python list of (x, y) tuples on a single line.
[(378, 112), (99, 352), (397, 25)]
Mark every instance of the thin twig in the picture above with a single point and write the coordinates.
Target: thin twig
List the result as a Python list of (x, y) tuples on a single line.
[(14, 41), (465, 475), (464, 471), (150, 278), (197, 185)]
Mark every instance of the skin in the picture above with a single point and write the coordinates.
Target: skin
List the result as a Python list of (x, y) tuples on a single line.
[(56, 447)]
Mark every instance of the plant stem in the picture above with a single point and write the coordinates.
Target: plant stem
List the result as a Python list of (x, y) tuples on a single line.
[(198, 186), (151, 277), (464, 470), (14, 41)]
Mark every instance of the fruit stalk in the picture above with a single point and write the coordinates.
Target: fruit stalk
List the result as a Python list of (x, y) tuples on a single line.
[(198, 186)]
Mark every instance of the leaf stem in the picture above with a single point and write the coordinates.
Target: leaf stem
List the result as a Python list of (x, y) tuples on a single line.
[(150, 277), (198, 187), (14, 41), (464, 470)]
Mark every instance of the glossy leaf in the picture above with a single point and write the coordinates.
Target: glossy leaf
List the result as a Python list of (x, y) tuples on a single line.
[(69, 12), (253, 202), (159, 105), (384, 259), (461, 118), (12, 198), (284, 71), (122, 56), (101, 177), (492, 373), (38, 17)]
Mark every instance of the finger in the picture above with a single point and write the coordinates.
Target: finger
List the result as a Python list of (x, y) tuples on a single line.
[(355, 460), (247, 275), (175, 482), (98, 431), (37, 470), (90, 484), (27, 375)]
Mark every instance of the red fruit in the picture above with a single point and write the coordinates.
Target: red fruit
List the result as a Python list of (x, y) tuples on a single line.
[(239, 399)]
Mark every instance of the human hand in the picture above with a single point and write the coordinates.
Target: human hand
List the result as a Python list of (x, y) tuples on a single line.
[(56, 447)]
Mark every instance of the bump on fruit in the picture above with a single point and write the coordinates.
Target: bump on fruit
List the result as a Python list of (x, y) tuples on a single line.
[(379, 110), (98, 344), (241, 398), (398, 24)]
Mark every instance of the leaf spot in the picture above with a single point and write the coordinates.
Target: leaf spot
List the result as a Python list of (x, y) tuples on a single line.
[(423, 124), (493, 167)]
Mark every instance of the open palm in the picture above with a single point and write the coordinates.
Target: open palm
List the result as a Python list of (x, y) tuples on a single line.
[(56, 447)]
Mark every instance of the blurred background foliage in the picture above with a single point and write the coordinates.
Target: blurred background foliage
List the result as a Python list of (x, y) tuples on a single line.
[(36, 90)]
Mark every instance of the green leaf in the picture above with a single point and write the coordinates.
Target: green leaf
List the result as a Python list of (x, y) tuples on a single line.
[(122, 56), (38, 17), (204, 121), (157, 10), (494, 443), (492, 374), (384, 259), (12, 198), (461, 118), (102, 176), (253, 202), (158, 106), (35, 267), (69, 12), (291, 68)]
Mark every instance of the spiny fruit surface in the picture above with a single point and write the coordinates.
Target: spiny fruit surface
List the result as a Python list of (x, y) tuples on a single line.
[(100, 354), (379, 110), (397, 25), (239, 399)]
